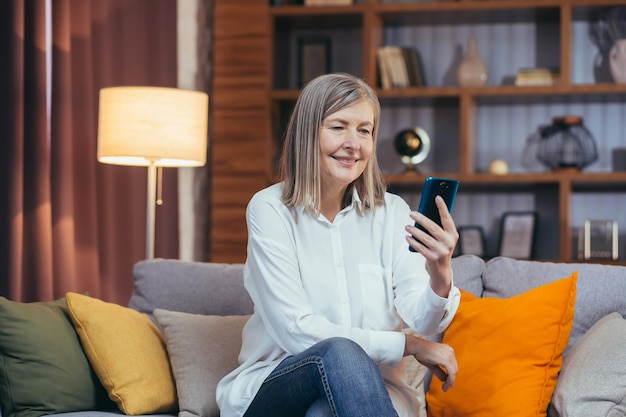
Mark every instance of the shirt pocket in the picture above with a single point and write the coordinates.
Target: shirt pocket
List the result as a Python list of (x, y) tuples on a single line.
[(377, 293)]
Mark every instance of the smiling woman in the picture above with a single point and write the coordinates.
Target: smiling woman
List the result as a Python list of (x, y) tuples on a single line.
[(331, 277)]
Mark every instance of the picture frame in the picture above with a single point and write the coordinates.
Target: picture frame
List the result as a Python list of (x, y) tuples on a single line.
[(471, 241), (517, 234), (598, 239), (313, 57)]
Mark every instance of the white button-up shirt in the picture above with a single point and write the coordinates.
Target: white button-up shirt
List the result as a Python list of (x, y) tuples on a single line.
[(311, 279)]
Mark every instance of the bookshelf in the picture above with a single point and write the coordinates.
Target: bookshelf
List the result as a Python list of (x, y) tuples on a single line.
[(525, 33), (470, 126)]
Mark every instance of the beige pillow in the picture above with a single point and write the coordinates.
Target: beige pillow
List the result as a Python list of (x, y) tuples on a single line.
[(592, 381), (127, 352), (202, 349)]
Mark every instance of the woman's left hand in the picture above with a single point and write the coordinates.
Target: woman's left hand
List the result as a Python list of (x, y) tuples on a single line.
[(437, 247), (437, 357)]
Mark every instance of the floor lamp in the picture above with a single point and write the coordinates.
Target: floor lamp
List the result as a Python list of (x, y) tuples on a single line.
[(153, 127)]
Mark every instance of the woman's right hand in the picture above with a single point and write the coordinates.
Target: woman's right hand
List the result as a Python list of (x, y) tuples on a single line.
[(437, 357)]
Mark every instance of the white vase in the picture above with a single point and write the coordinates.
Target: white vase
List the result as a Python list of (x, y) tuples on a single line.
[(472, 72), (617, 61)]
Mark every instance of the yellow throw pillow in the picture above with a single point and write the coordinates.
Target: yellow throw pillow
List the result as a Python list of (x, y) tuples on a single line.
[(509, 353), (127, 352)]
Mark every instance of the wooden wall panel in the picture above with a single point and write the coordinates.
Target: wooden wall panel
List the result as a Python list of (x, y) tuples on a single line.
[(233, 189), (238, 151), (240, 131), (230, 240)]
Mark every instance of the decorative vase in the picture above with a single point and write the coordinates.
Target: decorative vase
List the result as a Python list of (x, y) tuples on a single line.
[(617, 61), (472, 72)]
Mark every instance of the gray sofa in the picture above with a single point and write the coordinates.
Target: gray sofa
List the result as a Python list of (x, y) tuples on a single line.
[(206, 304)]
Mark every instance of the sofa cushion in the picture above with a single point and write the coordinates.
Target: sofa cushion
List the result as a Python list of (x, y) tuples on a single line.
[(468, 271), (190, 287), (601, 288), (509, 352), (127, 352), (202, 350), (592, 381), (43, 369)]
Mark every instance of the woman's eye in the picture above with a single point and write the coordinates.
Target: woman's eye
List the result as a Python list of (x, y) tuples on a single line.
[(365, 132)]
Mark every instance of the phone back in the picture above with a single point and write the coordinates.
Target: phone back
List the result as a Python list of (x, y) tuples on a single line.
[(446, 188)]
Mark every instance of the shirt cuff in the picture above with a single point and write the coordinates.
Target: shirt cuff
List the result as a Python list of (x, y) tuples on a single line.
[(387, 347), (436, 301)]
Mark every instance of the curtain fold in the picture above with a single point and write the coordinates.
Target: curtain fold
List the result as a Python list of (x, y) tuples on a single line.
[(24, 186), (62, 154), (202, 176), (67, 222)]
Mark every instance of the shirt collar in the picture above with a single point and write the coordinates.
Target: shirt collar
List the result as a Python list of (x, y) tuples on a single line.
[(355, 204), (356, 201)]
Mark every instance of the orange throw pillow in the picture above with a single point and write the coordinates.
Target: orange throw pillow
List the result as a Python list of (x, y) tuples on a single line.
[(509, 353)]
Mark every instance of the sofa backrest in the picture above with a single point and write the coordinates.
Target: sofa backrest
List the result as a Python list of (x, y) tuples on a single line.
[(217, 289), (189, 287), (600, 289), (212, 288), (467, 273)]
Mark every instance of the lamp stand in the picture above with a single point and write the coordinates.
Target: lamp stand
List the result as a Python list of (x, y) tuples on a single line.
[(151, 210)]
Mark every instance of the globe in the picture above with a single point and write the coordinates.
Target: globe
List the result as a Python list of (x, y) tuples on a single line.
[(408, 143), (413, 145)]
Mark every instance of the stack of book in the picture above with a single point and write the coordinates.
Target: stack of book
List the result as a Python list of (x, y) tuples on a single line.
[(537, 76), (399, 67)]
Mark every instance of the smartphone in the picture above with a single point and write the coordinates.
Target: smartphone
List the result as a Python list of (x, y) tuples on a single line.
[(433, 186)]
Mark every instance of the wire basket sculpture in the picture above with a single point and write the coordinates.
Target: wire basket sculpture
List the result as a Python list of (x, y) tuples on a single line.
[(566, 144)]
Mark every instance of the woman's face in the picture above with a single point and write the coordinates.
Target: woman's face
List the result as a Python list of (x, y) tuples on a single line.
[(346, 144)]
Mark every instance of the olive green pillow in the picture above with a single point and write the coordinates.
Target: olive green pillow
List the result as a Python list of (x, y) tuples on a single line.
[(43, 369)]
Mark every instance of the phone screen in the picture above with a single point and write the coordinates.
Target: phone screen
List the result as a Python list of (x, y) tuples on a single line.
[(433, 186)]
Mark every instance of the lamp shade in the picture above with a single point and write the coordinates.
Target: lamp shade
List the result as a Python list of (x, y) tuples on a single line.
[(152, 125)]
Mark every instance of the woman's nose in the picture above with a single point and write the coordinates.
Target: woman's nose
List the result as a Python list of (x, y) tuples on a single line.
[(352, 140)]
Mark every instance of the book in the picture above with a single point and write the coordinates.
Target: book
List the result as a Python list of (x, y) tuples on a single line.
[(384, 70), (536, 77), (414, 67), (399, 73), (392, 68), (399, 67)]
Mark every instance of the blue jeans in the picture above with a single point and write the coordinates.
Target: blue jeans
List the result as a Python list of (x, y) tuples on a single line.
[(333, 378)]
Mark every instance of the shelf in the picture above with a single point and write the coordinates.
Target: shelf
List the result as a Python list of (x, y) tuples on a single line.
[(391, 9), (608, 179), (485, 91), (310, 11), (436, 6)]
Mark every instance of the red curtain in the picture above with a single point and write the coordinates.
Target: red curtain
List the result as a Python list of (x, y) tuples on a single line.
[(67, 222)]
